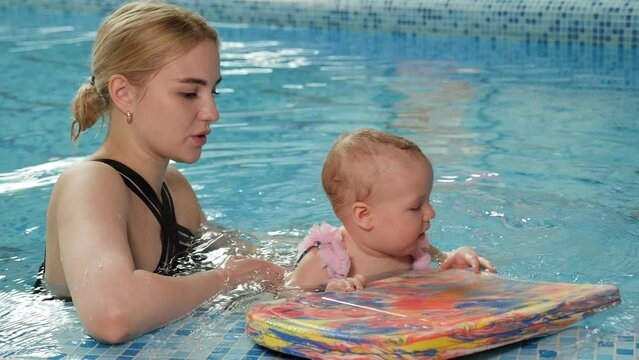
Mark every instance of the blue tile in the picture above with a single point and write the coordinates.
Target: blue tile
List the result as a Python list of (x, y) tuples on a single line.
[(181, 355), (90, 357), (528, 349), (56, 357), (604, 357), (136, 345), (606, 343), (508, 357), (625, 338), (131, 352), (268, 356), (567, 340), (547, 354), (625, 352), (221, 350), (88, 344), (255, 351), (183, 332)]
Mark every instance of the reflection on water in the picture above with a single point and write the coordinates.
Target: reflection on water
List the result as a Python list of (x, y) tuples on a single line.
[(215, 244), (30, 323)]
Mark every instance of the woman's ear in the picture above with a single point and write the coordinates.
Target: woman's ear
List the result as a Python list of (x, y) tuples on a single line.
[(361, 212), (121, 92)]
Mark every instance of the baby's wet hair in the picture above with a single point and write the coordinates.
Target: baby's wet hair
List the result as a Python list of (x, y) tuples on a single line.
[(350, 167)]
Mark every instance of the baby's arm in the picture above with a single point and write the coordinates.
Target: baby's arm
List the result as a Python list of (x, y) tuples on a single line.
[(310, 273), (462, 257)]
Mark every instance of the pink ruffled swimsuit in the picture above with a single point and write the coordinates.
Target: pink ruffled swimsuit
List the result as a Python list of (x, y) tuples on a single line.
[(328, 241)]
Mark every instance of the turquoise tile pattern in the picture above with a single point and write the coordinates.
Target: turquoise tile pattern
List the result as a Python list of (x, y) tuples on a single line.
[(193, 338), (604, 23)]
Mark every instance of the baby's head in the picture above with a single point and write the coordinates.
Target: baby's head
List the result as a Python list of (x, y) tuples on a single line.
[(361, 160)]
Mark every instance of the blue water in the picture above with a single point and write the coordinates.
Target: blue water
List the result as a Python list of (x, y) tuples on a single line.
[(535, 146)]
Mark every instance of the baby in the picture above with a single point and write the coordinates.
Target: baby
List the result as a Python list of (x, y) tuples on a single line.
[(379, 185)]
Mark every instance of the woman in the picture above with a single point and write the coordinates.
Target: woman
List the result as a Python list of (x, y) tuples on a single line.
[(116, 220)]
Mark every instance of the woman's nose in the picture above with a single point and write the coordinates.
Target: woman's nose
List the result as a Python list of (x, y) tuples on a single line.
[(209, 112)]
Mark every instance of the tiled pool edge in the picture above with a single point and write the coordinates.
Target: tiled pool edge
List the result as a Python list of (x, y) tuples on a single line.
[(613, 23), (188, 339)]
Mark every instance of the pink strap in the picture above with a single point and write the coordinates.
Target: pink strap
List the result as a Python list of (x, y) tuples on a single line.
[(328, 240), (421, 260)]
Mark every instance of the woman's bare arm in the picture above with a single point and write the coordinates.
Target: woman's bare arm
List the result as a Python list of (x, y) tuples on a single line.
[(116, 302)]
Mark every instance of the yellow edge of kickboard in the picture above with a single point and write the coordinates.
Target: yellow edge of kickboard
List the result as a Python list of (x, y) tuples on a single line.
[(402, 343), (444, 345)]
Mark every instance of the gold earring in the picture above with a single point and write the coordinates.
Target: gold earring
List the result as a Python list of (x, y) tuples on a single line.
[(129, 117)]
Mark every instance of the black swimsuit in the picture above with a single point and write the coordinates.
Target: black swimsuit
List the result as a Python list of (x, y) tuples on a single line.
[(176, 239)]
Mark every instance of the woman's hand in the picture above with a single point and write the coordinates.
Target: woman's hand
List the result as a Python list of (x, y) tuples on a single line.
[(356, 282), (465, 257), (241, 269)]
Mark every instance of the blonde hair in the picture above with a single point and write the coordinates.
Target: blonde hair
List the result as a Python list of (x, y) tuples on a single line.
[(349, 169), (135, 41)]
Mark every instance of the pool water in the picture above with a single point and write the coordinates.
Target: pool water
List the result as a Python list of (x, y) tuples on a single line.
[(535, 149)]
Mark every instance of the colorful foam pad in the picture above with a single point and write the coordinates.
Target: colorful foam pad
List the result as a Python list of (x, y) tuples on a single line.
[(441, 315)]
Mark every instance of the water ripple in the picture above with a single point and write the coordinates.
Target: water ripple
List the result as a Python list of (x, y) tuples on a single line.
[(31, 326), (34, 176)]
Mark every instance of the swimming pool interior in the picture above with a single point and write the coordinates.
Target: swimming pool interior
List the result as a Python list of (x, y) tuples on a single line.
[(533, 141)]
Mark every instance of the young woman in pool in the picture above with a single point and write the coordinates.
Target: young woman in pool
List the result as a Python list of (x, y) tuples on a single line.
[(379, 185), (116, 220)]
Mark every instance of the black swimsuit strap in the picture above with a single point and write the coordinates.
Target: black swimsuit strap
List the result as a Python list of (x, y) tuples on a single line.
[(172, 233), (136, 183), (176, 238)]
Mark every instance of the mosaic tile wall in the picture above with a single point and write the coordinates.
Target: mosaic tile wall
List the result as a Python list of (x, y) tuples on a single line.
[(600, 22)]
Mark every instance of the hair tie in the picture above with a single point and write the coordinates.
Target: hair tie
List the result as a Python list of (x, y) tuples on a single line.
[(92, 80)]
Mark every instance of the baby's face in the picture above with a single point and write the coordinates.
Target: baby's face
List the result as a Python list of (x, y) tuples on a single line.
[(400, 205)]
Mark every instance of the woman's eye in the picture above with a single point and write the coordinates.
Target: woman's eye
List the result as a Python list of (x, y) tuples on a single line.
[(189, 96)]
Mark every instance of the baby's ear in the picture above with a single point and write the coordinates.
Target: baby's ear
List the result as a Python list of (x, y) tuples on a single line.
[(362, 215)]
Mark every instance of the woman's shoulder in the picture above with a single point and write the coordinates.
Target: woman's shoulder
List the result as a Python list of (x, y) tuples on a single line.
[(175, 178), (179, 185), (89, 173), (88, 190), (187, 207), (89, 180)]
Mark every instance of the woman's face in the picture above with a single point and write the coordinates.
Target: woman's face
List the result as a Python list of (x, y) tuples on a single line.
[(175, 108)]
